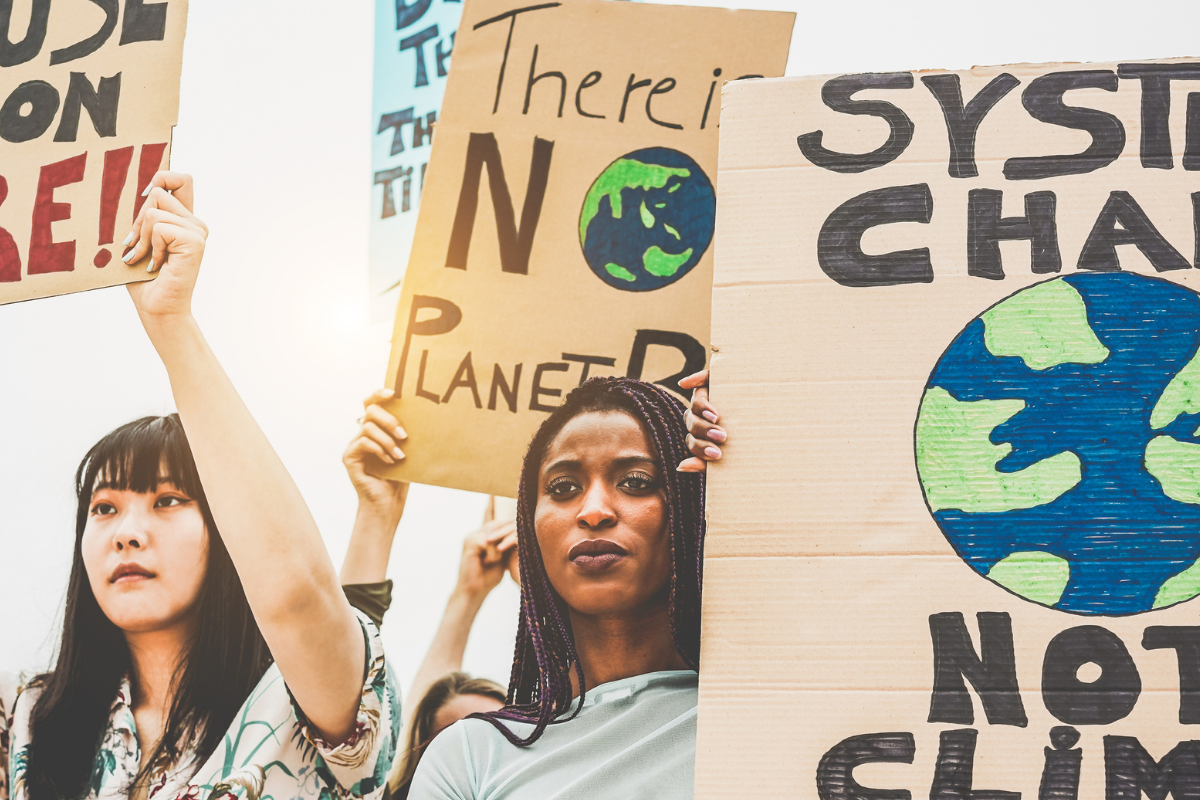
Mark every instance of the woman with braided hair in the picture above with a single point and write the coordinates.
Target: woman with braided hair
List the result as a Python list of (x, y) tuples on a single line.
[(610, 534)]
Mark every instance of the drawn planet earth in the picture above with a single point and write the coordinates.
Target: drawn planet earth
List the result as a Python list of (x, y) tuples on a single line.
[(1057, 443), (647, 219)]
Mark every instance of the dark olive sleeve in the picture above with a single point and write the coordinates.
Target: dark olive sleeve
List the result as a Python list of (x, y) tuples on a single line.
[(373, 599)]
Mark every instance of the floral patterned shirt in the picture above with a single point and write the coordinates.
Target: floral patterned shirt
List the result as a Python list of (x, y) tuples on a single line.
[(269, 751)]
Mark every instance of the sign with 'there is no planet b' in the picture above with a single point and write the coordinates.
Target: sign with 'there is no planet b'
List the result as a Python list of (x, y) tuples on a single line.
[(566, 220)]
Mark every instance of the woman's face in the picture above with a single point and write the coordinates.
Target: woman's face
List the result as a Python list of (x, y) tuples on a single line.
[(601, 516), (146, 556)]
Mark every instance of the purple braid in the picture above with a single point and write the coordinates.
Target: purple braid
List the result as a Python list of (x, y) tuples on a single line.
[(539, 689)]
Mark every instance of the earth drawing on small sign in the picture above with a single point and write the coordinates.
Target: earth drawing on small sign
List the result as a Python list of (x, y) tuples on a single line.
[(1057, 443), (647, 219)]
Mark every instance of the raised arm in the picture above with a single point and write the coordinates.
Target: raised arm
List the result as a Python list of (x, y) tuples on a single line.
[(288, 577), (486, 554), (380, 501)]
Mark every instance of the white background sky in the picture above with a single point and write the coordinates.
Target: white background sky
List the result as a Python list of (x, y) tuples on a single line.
[(275, 123)]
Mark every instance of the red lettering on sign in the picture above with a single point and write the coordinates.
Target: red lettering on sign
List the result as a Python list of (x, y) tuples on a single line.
[(45, 254)]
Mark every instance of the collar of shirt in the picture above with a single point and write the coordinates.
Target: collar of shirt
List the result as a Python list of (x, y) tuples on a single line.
[(628, 687), (123, 727)]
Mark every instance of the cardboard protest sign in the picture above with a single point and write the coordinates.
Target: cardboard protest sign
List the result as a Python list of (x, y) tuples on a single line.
[(93, 93), (566, 219), (954, 542), (413, 46)]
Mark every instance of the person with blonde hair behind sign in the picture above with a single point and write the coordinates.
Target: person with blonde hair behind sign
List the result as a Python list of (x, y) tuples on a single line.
[(610, 533), (196, 662)]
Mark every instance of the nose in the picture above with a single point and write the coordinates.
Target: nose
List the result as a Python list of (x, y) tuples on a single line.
[(131, 532), (597, 509)]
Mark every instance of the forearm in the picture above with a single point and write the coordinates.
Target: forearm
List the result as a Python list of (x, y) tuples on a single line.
[(370, 544), (449, 643), (259, 511)]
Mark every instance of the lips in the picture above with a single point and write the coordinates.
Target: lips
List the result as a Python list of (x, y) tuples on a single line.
[(595, 555), (128, 573)]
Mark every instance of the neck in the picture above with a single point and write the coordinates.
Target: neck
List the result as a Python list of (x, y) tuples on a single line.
[(155, 657), (620, 646)]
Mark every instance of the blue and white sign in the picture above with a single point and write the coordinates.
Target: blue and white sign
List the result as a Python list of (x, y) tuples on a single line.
[(413, 43)]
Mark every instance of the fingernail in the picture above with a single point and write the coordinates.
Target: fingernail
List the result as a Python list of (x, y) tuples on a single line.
[(128, 240), (712, 452), (401, 434), (387, 393), (146, 191), (708, 415), (151, 267), (716, 434), (128, 257), (397, 452)]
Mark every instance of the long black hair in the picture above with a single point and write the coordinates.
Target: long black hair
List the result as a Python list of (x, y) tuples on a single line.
[(539, 689), (224, 661)]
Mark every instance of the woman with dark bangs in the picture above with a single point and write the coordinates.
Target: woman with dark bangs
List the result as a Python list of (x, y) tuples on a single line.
[(602, 698), (198, 664)]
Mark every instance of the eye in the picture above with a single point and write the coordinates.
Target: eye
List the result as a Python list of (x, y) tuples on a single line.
[(169, 500), (637, 482), (562, 487), (103, 508)]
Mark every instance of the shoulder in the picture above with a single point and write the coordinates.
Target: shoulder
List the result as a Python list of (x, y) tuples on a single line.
[(477, 735), (18, 702), (458, 760), (453, 746), (9, 689)]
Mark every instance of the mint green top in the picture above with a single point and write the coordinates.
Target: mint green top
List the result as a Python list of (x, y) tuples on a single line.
[(634, 738)]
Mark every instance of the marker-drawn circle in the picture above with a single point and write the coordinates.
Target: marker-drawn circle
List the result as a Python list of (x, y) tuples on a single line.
[(1058, 443), (647, 219), (102, 258)]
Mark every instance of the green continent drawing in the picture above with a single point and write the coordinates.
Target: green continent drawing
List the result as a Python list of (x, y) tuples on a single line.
[(1176, 465), (1178, 588), (1035, 575), (957, 461), (658, 262), (622, 174), (1182, 396), (1045, 325), (647, 219)]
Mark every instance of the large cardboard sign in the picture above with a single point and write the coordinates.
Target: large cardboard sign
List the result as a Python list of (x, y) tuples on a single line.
[(955, 541), (91, 95), (566, 221), (413, 46)]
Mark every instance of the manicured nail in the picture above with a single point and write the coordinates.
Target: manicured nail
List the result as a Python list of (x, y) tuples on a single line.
[(128, 240), (387, 393), (397, 452), (401, 433), (716, 434), (147, 190), (709, 415), (128, 257), (150, 268), (712, 452)]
